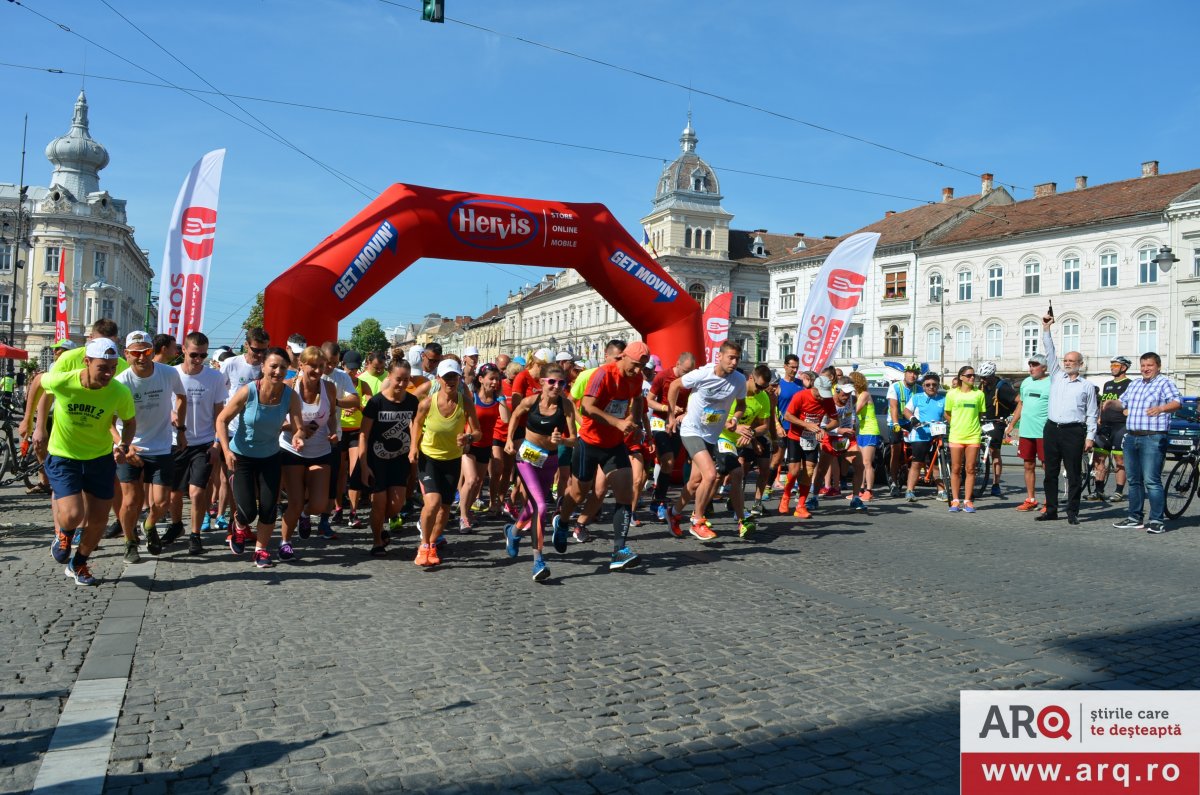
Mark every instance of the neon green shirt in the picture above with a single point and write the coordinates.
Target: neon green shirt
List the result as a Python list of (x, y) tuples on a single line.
[(965, 409), (73, 360), (758, 406), (83, 417)]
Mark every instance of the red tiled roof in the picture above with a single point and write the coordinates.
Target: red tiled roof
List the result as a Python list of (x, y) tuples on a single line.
[(1110, 201), (777, 246)]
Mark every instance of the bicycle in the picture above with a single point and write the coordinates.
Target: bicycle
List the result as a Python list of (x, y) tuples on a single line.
[(18, 460), (1183, 482), (939, 459)]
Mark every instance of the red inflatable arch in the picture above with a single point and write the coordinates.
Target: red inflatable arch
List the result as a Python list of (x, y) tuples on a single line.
[(408, 222)]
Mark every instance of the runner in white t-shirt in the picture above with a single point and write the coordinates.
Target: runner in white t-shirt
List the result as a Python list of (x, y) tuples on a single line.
[(717, 402)]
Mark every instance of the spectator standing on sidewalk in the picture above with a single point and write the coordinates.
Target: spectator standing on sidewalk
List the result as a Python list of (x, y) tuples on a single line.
[(1029, 422), (1070, 426), (1149, 402)]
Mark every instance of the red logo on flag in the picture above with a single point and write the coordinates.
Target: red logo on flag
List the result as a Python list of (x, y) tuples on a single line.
[(199, 225), (845, 288)]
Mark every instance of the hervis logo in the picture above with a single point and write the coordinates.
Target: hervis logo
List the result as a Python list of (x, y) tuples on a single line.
[(199, 228), (1013, 721), (484, 223), (845, 288)]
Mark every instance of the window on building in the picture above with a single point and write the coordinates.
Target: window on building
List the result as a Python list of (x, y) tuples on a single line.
[(1196, 264), (697, 291), (687, 238), (48, 308), (1147, 331), (1031, 335), (787, 298), (1108, 269), (708, 240), (100, 264), (993, 341), (933, 345), (1195, 337), (6, 259), (1106, 336), (6, 308), (53, 254), (895, 285), (760, 348), (1147, 268), (935, 288), (851, 345), (893, 341), (964, 285), (995, 281), (962, 343), (785, 345), (1070, 335), (1033, 277), (1070, 272), (108, 309), (764, 308), (739, 306)]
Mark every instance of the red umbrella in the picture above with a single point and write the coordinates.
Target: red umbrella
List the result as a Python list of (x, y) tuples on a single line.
[(9, 352)]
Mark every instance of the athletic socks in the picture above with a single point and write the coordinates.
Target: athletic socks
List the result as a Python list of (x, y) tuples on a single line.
[(620, 522)]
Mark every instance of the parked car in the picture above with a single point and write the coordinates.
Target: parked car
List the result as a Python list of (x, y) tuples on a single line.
[(1185, 428)]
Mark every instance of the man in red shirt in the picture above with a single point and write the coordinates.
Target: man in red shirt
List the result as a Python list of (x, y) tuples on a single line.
[(611, 408), (811, 413), (667, 444)]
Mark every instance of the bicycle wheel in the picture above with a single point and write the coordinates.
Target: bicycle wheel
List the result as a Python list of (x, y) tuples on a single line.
[(28, 466), (943, 462), (1180, 487), (983, 470), (7, 460)]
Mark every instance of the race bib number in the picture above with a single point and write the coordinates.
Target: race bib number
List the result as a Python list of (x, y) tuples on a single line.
[(988, 427), (808, 442), (617, 408), (726, 446), (532, 455), (712, 417), (658, 425), (937, 428)]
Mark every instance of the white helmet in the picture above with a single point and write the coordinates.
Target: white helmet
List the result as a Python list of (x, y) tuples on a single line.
[(986, 369)]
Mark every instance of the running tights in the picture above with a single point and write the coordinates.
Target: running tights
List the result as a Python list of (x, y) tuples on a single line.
[(256, 489), (537, 484)]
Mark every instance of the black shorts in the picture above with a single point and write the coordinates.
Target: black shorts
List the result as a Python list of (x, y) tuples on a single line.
[(390, 474), (193, 467), (566, 455), (669, 443), (1110, 438), (156, 469), (797, 455), (439, 477), (289, 459), (482, 455), (588, 458), (922, 452), (349, 438), (996, 437)]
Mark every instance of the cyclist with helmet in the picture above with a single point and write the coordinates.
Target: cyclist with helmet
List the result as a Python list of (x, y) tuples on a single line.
[(1110, 435), (1000, 401), (899, 393)]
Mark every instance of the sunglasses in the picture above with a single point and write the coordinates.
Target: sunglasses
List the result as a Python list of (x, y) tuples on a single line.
[(200, 355), (259, 351), (968, 375), (139, 354), (554, 381), (930, 385)]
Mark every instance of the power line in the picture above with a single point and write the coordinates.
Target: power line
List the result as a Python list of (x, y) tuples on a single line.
[(711, 94), (478, 131)]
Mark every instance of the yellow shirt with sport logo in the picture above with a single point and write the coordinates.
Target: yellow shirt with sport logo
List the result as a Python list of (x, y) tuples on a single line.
[(83, 417)]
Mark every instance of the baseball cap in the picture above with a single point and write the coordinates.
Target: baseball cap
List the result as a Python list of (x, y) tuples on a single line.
[(1038, 358), (136, 338), (543, 355), (655, 362), (471, 351), (563, 356), (824, 386), (63, 344), (637, 350), (296, 347), (448, 366), (847, 388), (352, 360), (103, 348), (519, 360), (581, 364)]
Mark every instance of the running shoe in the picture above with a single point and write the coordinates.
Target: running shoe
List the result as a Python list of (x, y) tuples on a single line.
[(802, 512), (355, 523), (1096, 497), (286, 552), (174, 531), (812, 504), (464, 526), (431, 557), (338, 518), (379, 552), (305, 526), (1028, 505), (968, 507), (206, 523), (153, 543), (623, 558), (77, 538), (212, 511), (1117, 497), (767, 492), (954, 506), (479, 506), (857, 504), (559, 536), (131, 552), (385, 537), (1129, 524), (237, 541), (541, 571), (661, 512), (262, 559), (512, 541), (833, 493), (702, 531), (113, 531), (60, 547), (394, 524), (745, 527), (81, 575), (866, 495), (510, 509), (675, 522), (894, 490), (194, 545), (825, 491), (1156, 528), (326, 530), (580, 534), (440, 541), (785, 503), (222, 522), (996, 492), (422, 558), (942, 496), (910, 496)]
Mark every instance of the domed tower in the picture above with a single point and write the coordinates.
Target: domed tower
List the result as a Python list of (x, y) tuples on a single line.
[(77, 157), (687, 219)]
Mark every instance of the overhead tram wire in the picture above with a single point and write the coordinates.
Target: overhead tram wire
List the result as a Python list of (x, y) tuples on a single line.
[(345, 179), (478, 131), (710, 94)]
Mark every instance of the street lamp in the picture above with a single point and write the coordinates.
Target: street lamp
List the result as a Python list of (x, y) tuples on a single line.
[(1165, 259)]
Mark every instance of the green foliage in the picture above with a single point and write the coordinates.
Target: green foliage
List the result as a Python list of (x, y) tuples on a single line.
[(255, 318), (368, 336)]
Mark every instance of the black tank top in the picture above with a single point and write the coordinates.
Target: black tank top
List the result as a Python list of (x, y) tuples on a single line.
[(545, 425)]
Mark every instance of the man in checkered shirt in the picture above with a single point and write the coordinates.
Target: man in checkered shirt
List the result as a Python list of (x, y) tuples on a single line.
[(1149, 402)]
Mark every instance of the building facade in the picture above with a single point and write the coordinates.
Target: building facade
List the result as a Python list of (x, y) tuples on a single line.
[(107, 274)]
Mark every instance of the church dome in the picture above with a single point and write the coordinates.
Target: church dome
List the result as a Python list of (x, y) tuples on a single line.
[(689, 173), (77, 157)]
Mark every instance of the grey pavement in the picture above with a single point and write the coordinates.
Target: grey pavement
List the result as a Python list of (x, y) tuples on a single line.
[(823, 656)]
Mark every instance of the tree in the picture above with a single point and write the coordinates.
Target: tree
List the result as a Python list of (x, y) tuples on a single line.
[(255, 318), (368, 336)]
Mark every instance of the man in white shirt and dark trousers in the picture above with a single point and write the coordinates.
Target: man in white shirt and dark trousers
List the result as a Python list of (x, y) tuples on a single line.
[(1070, 426)]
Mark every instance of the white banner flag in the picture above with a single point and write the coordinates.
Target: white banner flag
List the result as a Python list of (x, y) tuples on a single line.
[(835, 292), (188, 256)]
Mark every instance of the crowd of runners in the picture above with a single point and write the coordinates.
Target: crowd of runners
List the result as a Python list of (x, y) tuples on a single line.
[(427, 444)]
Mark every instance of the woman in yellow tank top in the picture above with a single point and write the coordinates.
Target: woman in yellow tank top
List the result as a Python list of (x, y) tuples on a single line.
[(440, 436)]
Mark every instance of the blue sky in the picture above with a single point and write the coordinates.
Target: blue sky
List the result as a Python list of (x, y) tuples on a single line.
[(1033, 92)]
